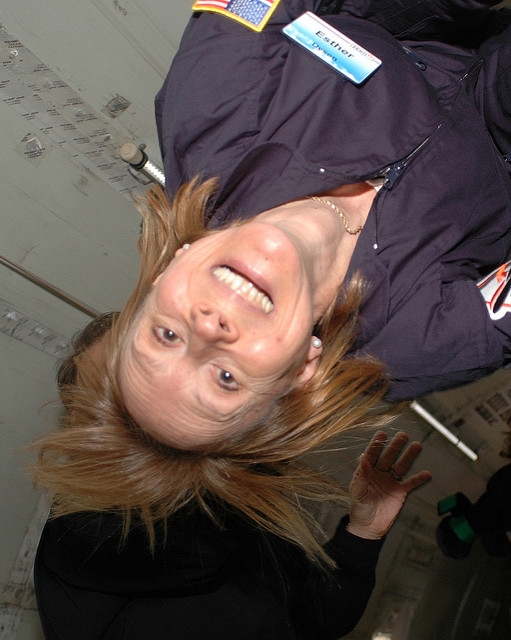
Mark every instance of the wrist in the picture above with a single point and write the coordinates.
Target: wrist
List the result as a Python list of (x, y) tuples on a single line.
[(363, 532)]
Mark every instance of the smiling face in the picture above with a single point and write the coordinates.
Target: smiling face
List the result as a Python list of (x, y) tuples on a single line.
[(225, 329)]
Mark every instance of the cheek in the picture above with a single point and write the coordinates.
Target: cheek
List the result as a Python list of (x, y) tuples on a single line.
[(270, 356), (169, 292)]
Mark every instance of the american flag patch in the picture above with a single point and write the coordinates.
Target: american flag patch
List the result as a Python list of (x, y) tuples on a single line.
[(252, 13)]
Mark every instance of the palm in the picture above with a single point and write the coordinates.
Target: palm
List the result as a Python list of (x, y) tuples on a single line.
[(377, 486)]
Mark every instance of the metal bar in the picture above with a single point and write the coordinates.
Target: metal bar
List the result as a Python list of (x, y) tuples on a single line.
[(421, 411), (137, 158), (47, 286)]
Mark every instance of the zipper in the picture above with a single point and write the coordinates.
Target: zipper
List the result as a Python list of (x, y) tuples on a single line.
[(418, 62), (477, 64), (393, 171)]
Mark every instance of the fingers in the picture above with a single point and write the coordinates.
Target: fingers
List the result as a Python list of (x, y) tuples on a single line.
[(415, 481), (385, 456), (405, 461), (394, 457), (374, 448)]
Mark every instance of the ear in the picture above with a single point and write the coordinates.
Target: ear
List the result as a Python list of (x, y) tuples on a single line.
[(309, 367), (184, 247)]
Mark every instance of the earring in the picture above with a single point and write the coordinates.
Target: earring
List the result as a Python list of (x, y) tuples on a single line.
[(316, 342), (186, 246)]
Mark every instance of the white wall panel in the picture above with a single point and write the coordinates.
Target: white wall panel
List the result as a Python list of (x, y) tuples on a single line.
[(59, 217)]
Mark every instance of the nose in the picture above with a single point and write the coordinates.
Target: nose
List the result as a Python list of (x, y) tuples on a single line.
[(212, 325)]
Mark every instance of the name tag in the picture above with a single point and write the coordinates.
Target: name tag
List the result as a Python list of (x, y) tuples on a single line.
[(332, 47)]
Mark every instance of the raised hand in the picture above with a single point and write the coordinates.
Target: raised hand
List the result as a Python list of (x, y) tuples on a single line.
[(378, 487)]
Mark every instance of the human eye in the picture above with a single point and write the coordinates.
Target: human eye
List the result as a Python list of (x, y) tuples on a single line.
[(165, 336), (226, 380)]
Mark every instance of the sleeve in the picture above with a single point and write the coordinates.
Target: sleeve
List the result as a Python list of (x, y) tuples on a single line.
[(430, 19), (424, 345), (68, 606), (206, 111), (220, 81), (331, 604), (496, 85)]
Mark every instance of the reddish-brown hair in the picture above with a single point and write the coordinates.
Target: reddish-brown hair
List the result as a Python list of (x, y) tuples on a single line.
[(101, 460)]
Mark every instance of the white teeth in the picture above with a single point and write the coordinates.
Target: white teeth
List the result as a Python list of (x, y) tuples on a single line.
[(236, 283), (247, 289)]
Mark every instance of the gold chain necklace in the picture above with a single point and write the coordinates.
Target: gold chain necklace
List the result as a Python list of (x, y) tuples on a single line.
[(340, 213)]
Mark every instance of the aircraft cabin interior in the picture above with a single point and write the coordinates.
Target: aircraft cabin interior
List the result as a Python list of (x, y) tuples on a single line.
[(77, 83)]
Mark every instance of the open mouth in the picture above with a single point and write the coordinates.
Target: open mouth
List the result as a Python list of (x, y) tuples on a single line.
[(240, 284)]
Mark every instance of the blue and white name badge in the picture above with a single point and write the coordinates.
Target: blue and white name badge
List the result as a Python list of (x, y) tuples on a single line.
[(333, 47)]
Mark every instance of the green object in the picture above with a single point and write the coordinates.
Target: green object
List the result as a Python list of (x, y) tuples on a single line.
[(447, 504), (462, 529)]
